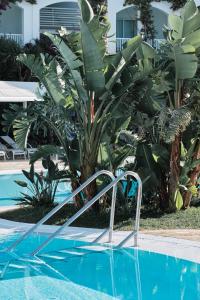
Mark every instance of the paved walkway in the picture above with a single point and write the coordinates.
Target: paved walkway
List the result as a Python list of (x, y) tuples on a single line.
[(186, 234), (18, 165)]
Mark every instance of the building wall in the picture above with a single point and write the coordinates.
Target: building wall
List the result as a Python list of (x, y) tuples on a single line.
[(31, 17), (161, 10), (27, 21)]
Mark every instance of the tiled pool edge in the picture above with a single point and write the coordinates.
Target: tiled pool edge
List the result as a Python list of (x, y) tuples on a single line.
[(179, 248)]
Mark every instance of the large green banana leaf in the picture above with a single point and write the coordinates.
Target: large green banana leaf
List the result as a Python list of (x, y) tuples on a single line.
[(92, 60), (72, 62), (186, 61), (86, 11), (186, 27), (119, 61), (47, 74)]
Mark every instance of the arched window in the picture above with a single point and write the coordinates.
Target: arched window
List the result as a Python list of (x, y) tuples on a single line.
[(66, 14), (126, 23)]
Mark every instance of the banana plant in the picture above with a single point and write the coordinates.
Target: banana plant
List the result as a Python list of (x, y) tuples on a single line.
[(190, 168), (178, 66), (90, 80)]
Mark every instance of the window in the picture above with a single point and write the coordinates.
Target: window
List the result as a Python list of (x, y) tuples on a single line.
[(126, 28)]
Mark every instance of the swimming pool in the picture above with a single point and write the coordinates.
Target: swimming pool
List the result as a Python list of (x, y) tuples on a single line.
[(10, 191), (82, 274)]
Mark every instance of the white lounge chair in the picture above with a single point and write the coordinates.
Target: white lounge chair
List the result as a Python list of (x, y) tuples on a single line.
[(3, 154), (3, 151), (15, 150), (14, 145)]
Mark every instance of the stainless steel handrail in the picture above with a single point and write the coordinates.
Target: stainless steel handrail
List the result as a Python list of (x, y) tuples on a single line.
[(138, 207), (113, 185), (58, 207)]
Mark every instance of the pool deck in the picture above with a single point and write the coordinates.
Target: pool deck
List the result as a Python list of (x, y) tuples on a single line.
[(170, 246), (15, 166)]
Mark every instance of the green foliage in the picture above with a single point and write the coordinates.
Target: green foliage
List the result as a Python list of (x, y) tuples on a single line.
[(173, 122), (188, 162), (84, 80), (41, 187), (9, 66), (4, 4), (167, 106), (99, 6), (91, 96)]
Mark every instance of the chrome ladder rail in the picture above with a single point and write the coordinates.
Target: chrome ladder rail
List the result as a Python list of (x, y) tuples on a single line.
[(12, 247), (113, 185), (138, 208)]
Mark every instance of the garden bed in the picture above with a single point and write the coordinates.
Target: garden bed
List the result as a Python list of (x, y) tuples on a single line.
[(184, 219)]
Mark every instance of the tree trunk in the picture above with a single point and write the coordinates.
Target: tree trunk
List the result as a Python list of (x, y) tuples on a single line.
[(174, 171), (90, 191), (78, 199), (163, 194), (193, 175)]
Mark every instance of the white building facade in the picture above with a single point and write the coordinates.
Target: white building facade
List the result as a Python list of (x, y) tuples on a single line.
[(25, 22)]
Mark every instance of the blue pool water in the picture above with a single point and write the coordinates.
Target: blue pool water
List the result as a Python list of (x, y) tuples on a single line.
[(10, 191), (82, 274)]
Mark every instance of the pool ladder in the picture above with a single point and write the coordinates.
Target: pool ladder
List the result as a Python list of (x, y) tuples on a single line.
[(109, 230)]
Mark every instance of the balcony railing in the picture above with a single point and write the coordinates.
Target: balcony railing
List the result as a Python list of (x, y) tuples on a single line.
[(19, 38), (120, 43), (52, 18), (156, 43)]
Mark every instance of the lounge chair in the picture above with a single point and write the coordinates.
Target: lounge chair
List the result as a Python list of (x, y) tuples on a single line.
[(15, 150), (13, 144), (3, 151), (3, 154)]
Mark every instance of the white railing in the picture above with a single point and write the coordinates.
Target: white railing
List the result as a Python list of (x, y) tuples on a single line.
[(156, 43), (54, 17), (19, 38), (120, 42)]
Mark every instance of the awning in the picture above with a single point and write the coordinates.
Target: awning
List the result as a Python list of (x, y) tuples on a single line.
[(18, 91)]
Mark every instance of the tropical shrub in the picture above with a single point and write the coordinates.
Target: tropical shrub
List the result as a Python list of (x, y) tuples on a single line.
[(86, 89), (9, 66), (167, 108), (41, 187)]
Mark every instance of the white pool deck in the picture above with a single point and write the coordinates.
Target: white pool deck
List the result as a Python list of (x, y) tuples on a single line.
[(179, 248)]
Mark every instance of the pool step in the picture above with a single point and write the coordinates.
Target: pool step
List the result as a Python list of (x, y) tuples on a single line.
[(63, 254), (11, 263), (73, 252), (18, 266)]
